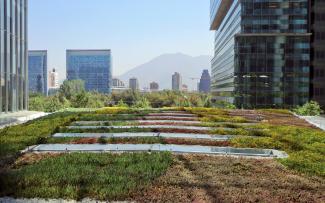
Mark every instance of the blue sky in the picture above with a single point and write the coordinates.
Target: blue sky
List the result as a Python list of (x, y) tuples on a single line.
[(135, 30)]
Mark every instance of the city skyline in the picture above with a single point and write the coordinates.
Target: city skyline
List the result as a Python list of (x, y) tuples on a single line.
[(148, 39)]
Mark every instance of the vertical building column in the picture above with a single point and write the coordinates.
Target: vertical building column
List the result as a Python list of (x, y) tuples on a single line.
[(25, 55), (1, 53), (7, 54)]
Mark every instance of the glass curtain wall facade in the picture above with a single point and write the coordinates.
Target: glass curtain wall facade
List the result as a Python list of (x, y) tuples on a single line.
[(262, 52), (205, 82), (37, 72), (318, 50), (13, 56), (93, 67)]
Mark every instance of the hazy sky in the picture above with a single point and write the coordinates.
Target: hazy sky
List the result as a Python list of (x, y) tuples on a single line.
[(135, 30)]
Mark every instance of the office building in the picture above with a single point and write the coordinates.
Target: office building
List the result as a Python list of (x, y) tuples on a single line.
[(93, 67), (318, 50), (262, 52), (53, 79), (118, 83), (13, 56), (134, 84), (154, 87), (177, 82), (205, 82), (37, 72)]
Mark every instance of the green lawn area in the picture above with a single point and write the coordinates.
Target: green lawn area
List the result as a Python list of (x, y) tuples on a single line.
[(77, 176)]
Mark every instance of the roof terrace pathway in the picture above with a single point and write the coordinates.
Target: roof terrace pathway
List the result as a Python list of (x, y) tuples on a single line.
[(189, 149)]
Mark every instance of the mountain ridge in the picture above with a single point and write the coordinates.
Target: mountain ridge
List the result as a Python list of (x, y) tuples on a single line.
[(161, 68)]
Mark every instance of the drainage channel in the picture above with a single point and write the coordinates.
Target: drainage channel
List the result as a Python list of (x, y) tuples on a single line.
[(147, 127), (132, 135), (191, 149)]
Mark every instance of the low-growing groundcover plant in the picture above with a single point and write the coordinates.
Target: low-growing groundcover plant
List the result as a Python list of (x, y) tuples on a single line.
[(305, 146), (16, 138), (82, 175)]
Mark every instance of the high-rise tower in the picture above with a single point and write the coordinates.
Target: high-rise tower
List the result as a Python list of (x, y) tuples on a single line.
[(13, 55)]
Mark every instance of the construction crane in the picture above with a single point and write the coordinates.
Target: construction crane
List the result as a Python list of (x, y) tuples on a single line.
[(197, 79)]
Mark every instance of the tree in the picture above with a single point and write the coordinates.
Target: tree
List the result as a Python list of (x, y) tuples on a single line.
[(142, 103), (53, 104), (71, 88), (36, 103), (87, 100)]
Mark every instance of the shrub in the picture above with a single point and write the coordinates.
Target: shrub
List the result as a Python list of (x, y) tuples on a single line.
[(142, 103), (53, 104), (122, 104), (36, 103), (309, 109), (225, 105), (87, 100)]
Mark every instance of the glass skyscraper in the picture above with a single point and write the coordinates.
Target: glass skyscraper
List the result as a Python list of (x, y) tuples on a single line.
[(177, 82), (205, 82), (93, 67), (13, 55), (318, 50), (37, 72), (262, 52)]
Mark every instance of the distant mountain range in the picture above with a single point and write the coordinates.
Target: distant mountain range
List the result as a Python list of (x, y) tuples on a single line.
[(161, 69)]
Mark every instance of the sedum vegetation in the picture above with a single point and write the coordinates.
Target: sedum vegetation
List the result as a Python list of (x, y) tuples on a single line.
[(118, 177), (16, 138), (78, 176), (305, 146)]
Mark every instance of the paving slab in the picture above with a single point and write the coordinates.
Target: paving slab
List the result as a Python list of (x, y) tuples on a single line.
[(185, 118), (317, 121), (158, 121), (20, 117), (146, 127), (132, 135), (136, 121), (188, 149)]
